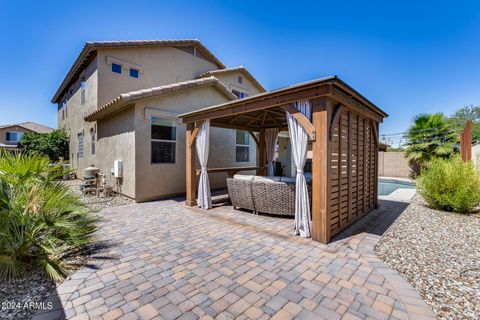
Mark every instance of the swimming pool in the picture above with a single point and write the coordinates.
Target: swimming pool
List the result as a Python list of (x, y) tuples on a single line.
[(387, 186)]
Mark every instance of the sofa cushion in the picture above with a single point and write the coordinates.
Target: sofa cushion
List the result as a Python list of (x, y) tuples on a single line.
[(248, 177), (266, 179), (288, 179), (308, 178)]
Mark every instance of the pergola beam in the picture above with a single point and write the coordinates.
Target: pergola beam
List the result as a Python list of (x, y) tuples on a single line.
[(346, 100), (261, 104), (336, 114), (254, 137), (191, 180), (300, 117)]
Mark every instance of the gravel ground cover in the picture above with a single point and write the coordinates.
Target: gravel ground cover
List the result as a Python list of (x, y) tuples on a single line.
[(16, 296), (439, 254), (98, 203)]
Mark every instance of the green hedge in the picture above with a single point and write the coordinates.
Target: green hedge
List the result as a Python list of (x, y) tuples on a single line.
[(450, 185)]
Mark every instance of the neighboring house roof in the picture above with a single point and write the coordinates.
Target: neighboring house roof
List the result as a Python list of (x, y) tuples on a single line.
[(125, 99), (90, 49), (32, 126), (241, 69)]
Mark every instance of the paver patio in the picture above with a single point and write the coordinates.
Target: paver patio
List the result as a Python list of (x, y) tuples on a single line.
[(168, 261)]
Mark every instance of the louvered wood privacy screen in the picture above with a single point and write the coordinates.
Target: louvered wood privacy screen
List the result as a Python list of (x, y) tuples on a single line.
[(353, 183)]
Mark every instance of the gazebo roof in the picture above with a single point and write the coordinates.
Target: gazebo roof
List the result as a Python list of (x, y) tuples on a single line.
[(266, 110)]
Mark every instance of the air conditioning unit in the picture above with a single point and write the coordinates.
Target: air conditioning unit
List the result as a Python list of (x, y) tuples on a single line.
[(118, 168)]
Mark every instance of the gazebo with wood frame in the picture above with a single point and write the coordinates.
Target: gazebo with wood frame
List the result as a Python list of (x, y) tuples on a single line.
[(343, 131)]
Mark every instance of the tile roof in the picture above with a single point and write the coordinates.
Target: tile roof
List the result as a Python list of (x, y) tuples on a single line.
[(123, 100), (242, 69), (32, 126), (90, 49)]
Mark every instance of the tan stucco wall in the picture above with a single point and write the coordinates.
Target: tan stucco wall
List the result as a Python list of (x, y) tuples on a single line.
[(161, 65), (116, 140), (393, 164), (3, 133), (73, 122), (230, 79), (157, 180)]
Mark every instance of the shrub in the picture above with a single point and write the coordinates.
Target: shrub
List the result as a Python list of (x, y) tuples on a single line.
[(53, 144), (450, 185), (41, 220)]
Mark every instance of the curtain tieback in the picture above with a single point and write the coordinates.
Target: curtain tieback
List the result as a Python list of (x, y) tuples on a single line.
[(204, 169), (299, 171)]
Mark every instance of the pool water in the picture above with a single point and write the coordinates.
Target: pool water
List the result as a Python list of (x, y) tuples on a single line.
[(385, 187)]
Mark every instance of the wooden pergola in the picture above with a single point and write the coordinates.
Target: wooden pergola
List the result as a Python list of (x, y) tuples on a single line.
[(344, 136)]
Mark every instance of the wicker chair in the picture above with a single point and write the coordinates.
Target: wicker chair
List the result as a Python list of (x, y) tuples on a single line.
[(240, 193), (268, 197), (274, 197)]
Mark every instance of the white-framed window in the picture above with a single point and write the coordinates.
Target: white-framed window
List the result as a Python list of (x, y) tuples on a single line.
[(83, 87), (14, 136), (163, 140), (80, 145), (242, 146), (93, 134)]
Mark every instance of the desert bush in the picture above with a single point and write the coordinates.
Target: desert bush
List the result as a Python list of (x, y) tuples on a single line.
[(450, 185), (41, 220)]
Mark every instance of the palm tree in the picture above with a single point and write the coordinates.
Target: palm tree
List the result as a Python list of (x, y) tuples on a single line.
[(429, 137), (41, 220)]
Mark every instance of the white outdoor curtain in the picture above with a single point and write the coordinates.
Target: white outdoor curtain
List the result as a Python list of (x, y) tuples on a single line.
[(271, 136), (299, 143), (202, 144)]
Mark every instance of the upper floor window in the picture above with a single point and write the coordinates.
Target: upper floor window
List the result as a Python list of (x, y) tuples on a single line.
[(80, 145), (240, 79), (83, 87), (14, 136), (117, 68), (242, 146), (239, 94), (93, 133), (64, 108), (163, 140), (133, 73)]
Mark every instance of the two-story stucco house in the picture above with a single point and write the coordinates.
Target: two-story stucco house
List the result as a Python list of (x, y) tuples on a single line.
[(120, 101)]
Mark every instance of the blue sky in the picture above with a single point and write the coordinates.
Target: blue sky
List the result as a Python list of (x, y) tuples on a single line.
[(407, 57)]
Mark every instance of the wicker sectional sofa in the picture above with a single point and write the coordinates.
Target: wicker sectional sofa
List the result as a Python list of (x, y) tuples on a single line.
[(273, 195)]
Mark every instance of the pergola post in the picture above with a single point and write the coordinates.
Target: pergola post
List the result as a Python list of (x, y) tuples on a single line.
[(321, 113), (261, 153), (190, 165)]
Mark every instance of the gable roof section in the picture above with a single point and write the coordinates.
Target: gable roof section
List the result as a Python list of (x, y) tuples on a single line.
[(32, 126), (125, 99), (241, 69), (90, 49)]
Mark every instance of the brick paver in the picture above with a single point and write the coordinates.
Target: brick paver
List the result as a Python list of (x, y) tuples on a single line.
[(167, 261)]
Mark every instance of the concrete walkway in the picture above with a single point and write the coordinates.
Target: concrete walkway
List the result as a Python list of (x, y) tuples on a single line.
[(167, 261)]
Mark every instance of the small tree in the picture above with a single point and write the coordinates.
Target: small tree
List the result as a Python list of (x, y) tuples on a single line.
[(53, 144), (460, 117), (430, 137)]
